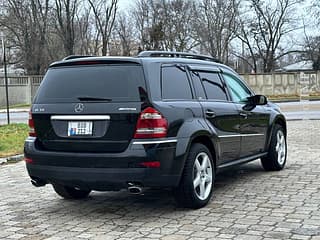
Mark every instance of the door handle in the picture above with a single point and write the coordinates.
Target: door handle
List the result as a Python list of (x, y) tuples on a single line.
[(244, 115), (210, 113)]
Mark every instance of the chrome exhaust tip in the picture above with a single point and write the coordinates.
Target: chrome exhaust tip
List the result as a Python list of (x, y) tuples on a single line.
[(135, 188), (38, 182)]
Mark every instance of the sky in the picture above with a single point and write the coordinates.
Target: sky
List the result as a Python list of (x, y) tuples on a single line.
[(125, 4)]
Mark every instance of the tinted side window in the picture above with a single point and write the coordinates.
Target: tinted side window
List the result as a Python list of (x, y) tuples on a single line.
[(198, 85), (238, 91), (175, 84), (213, 86)]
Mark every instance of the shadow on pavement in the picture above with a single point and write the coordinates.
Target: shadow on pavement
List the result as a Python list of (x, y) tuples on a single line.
[(152, 203)]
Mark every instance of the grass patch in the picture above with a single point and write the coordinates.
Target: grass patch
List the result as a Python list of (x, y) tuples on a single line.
[(293, 97), (17, 106), (12, 138)]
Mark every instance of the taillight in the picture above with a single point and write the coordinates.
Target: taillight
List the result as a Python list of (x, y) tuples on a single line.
[(151, 124), (32, 132), (28, 160), (155, 164)]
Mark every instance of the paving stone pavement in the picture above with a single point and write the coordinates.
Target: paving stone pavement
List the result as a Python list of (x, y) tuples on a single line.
[(248, 203)]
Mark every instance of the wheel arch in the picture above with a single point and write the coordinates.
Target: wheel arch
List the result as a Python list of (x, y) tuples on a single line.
[(280, 120), (206, 140), (204, 137)]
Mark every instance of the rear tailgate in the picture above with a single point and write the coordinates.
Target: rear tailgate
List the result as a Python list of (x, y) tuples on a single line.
[(90, 108)]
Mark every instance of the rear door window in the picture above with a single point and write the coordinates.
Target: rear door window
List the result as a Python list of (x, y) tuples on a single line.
[(175, 83), (115, 83), (213, 86)]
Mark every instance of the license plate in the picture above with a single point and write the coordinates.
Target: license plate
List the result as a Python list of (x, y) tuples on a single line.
[(79, 128)]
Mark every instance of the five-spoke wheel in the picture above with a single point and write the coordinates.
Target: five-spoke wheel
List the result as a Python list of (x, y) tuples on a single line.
[(197, 180), (202, 176), (277, 155)]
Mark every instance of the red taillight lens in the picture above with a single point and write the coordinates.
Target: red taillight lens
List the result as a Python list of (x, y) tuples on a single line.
[(32, 132), (151, 124), (28, 160), (151, 164)]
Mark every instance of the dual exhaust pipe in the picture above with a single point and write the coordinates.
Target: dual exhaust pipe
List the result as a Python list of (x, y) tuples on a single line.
[(135, 188), (38, 182)]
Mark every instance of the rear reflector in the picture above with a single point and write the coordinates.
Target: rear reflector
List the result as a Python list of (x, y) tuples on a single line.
[(151, 124), (151, 164), (32, 132), (28, 160)]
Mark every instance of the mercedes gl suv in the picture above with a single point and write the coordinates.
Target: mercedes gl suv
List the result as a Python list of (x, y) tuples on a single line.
[(161, 119)]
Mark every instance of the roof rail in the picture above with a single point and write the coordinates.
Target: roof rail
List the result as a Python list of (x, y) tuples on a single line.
[(178, 55), (76, 56)]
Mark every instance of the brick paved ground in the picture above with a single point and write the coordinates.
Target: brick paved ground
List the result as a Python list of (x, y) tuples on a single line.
[(248, 204)]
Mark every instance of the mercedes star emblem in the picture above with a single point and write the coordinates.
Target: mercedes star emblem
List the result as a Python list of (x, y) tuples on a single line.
[(78, 107)]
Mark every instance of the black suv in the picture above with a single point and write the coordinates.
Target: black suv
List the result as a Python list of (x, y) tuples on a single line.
[(161, 119)]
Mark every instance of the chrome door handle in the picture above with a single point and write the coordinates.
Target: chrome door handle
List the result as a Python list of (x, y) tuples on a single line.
[(210, 113)]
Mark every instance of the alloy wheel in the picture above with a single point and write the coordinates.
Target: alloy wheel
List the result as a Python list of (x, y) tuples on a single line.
[(281, 147), (202, 176)]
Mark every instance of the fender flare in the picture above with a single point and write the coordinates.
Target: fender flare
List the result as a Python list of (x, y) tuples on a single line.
[(279, 118)]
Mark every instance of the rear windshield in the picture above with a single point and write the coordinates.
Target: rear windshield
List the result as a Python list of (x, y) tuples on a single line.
[(116, 83)]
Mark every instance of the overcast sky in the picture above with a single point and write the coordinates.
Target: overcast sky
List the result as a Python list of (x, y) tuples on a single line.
[(123, 4)]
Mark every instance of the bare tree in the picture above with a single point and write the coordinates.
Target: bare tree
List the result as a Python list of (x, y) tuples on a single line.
[(216, 26), (149, 25), (315, 9), (126, 34), (264, 28), (105, 15), (83, 29), (66, 11), (165, 24), (26, 25), (40, 15), (312, 50), (178, 17), (140, 14), (312, 43)]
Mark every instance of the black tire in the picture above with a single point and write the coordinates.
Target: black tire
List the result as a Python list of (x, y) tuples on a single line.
[(186, 194), (70, 192), (274, 162)]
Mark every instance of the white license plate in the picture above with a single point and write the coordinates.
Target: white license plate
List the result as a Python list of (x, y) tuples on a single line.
[(79, 128)]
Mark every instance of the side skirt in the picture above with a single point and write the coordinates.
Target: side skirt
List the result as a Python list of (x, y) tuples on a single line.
[(241, 161)]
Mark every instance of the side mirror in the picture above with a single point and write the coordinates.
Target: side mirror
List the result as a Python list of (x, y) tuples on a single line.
[(254, 101), (259, 100)]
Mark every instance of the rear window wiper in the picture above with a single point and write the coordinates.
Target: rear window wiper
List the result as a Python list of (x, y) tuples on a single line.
[(89, 98)]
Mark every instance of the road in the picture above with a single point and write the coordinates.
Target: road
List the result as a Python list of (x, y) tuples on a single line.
[(15, 117), (248, 204), (292, 111)]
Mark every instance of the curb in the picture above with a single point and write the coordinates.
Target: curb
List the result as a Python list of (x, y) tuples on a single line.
[(302, 119), (293, 100), (11, 159), (14, 110)]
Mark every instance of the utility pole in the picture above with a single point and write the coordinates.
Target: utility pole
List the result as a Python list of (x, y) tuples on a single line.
[(6, 78), (242, 60)]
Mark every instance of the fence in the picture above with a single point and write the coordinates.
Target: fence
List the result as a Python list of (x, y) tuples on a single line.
[(23, 88), (285, 83)]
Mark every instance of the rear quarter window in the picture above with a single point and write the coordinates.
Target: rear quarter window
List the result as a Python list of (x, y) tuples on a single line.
[(175, 84)]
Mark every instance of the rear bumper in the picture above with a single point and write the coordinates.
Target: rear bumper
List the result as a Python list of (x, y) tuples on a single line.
[(101, 179), (102, 171)]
